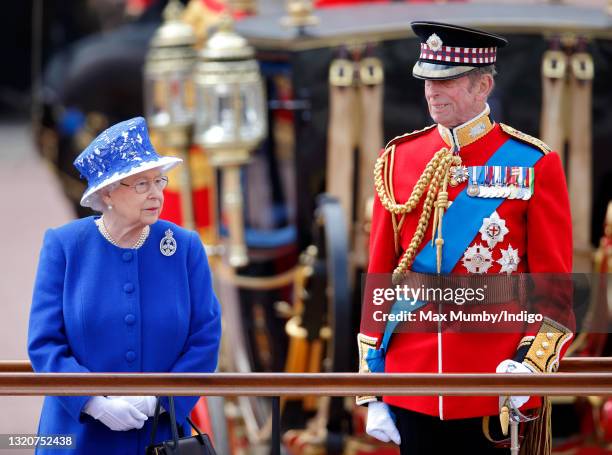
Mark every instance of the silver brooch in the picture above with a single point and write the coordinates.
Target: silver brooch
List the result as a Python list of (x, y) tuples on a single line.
[(509, 261), (477, 259), (167, 246), (493, 229)]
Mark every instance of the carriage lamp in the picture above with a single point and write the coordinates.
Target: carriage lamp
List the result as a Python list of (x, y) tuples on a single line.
[(230, 120), (169, 95)]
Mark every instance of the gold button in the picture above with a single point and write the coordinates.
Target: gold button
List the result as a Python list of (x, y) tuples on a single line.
[(545, 345), (549, 335), (539, 354)]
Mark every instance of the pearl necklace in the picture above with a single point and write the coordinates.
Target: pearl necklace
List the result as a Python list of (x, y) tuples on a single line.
[(141, 240)]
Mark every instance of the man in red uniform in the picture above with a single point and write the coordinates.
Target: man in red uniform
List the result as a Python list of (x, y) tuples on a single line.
[(497, 199)]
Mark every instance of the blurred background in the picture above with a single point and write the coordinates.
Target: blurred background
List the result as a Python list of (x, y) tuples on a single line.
[(253, 94)]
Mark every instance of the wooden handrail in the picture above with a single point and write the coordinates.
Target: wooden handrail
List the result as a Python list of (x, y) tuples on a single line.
[(326, 384), (15, 366), (568, 365), (586, 364)]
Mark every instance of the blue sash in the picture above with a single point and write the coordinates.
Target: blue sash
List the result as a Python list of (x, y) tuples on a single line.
[(467, 212)]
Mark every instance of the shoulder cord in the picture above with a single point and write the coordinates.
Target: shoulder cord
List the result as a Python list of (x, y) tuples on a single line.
[(436, 174)]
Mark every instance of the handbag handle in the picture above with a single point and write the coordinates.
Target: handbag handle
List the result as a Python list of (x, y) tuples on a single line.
[(173, 425), (172, 421)]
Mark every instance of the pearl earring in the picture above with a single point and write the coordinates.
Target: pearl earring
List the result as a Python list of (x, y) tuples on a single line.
[(110, 207)]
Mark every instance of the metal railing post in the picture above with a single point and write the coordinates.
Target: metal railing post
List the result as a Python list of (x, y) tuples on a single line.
[(275, 443)]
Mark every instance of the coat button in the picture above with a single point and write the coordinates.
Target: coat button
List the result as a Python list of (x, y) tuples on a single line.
[(130, 356), (128, 287), (127, 256), (130, 319)]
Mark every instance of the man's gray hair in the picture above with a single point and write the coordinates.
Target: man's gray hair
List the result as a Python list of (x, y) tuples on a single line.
[(489, 69), (475, 74)]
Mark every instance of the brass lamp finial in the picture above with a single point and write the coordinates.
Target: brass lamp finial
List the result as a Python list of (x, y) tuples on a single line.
[(173, 11), (299, 14)]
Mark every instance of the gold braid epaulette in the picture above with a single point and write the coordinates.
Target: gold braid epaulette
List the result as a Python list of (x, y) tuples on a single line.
[(399, 139), (432, 182), (523, 137)]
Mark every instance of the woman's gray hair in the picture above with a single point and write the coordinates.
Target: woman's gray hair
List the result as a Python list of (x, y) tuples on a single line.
[(97, 203)]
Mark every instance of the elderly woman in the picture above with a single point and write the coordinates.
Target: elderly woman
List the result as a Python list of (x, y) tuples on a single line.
[(121, 292)]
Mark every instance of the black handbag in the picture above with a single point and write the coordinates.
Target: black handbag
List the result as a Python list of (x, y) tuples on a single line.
[(198, 444)]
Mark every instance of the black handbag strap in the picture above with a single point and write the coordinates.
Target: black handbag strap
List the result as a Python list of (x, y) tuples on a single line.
[(195, 427), (173, 425), (155, 420), (175, 435)]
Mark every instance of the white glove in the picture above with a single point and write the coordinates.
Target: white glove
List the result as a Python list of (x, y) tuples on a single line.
[(145, 404), (380, 424), (511, 366), (118, 415)]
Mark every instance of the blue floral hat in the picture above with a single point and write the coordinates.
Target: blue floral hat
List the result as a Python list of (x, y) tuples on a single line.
[(122, 150)]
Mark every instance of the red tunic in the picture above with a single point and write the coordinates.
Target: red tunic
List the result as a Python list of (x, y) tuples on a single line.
[(539, 228)]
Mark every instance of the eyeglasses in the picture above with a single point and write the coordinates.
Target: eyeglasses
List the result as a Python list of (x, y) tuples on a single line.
[(144, 186)]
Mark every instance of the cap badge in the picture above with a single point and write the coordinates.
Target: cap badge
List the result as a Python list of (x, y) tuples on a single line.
[(434, 42)]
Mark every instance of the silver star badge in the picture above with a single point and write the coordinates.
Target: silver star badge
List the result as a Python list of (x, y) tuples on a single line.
[(477, 259), (167, 246), (459, 174), (509, 261), (493, 229)]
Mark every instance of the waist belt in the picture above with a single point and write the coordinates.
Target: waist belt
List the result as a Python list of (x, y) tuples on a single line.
[(496, 288)]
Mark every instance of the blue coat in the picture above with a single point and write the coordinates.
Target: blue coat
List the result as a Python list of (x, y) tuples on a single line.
[(100, 308)]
